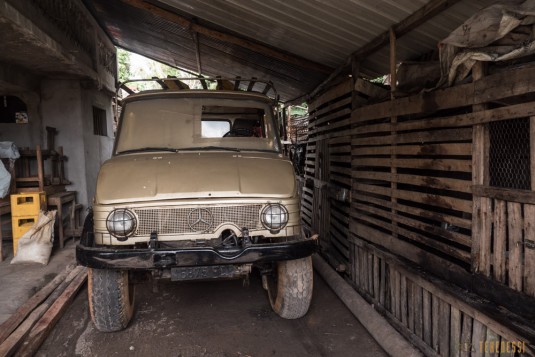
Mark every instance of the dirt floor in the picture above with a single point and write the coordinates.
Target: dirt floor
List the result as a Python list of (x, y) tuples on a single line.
[(208, 319)]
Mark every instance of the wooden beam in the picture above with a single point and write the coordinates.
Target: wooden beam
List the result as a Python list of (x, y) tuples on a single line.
[(47, 322), (506, 194), (225, 37), (24, 310), (195, 38), (419, 17), (15, 339), (126, 89)]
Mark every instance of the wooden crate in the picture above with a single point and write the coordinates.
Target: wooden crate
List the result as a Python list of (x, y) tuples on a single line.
[(28, 204), (20, 226)]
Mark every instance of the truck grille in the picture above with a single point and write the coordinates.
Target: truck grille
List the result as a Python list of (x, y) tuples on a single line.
[(175, 220)]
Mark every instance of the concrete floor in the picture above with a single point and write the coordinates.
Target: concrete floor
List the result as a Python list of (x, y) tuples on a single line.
[(20, 281), (209, 319)]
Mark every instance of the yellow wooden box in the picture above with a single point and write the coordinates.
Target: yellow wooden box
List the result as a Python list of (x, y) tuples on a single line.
[(27, 204), (21, 225)]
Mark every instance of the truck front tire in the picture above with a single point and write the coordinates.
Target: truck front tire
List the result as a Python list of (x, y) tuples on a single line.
[(111, 299), (290, 289)]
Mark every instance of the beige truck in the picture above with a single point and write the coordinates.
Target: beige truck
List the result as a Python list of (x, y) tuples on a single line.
[(197, 188)]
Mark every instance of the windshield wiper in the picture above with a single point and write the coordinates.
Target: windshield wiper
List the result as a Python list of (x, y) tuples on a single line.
[(208, 148), (263, 150), (147, 149)]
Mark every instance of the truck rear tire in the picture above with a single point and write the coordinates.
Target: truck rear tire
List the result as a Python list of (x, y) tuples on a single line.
[(111, 299), (290, 288)]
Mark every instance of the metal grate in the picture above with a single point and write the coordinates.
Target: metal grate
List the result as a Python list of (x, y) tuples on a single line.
[(175, 220), (509, 159), (100, 125)]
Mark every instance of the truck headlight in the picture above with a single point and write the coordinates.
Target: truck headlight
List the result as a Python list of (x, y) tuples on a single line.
[(121, 223), (274, 217)]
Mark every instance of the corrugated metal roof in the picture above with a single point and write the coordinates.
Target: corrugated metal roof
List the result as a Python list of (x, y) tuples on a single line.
[(323, 31)]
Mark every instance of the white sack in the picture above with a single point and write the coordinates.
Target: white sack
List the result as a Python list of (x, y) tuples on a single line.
[(35, 246), (8, 150)]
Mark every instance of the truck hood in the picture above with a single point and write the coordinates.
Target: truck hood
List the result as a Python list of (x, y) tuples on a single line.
[(162, 176)]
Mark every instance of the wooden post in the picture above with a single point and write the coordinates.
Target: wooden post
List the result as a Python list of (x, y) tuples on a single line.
[(466, 336), (393, 60), (426, 311), (529, 249), (480, 176), (393, 122), (529, 224), (61, 169), (40, 173), (532, 151), (479, 334), (515, 223), (500, 237), (355, 73), (455, 332), (435, 319)]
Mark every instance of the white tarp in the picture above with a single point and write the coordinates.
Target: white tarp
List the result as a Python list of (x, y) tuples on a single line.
[(8, 150), (498, 33), (35, 246), (5, 181)]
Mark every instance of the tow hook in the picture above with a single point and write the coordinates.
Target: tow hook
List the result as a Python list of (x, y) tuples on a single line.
[(246, 239), (153, 242)]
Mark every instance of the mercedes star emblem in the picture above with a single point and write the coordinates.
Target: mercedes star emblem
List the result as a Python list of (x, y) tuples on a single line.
[(200, 220)]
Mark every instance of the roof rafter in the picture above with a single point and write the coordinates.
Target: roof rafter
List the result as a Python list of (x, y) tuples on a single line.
[(226, 37), (417, 18)]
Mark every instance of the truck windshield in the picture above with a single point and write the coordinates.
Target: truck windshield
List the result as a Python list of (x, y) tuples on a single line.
[(187, 123)]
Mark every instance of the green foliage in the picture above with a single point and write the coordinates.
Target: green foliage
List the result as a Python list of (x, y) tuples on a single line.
[(123, 61), (380, 80), (298, 110)]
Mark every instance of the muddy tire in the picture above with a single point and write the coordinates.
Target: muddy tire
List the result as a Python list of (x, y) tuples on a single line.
[(111, 299), (290, 288)]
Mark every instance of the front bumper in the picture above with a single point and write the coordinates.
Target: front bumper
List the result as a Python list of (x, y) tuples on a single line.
[(148, 259)]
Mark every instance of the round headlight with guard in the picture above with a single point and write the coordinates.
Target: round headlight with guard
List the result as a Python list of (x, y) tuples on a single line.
[(121, 223), (274, 217)]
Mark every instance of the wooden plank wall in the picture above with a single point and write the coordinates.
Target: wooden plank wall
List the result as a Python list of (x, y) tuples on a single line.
[(427, 216), (415, 167), (328, 173), (508, 255), (430, 204)]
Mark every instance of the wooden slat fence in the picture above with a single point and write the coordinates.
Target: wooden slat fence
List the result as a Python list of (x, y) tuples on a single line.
[(413, 178), (439, 319), (328, 173), (508, 255)]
